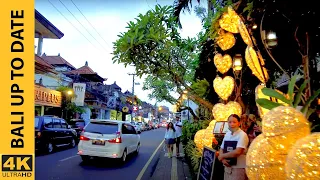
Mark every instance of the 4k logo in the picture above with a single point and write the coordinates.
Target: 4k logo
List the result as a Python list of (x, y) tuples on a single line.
[(17, 163)]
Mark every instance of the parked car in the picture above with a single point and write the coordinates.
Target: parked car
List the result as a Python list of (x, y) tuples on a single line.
[(142, 126), (108, 138), (78, 125), (155, 125), (164, 124), (147, 126), (52, 132), (136, 126)]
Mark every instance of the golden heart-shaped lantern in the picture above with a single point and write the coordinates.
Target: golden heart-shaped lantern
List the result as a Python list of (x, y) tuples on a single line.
[(303, 159), (223, 63), (244, 33), (208, 137), (198, 138), (224, 87), (221, 112), (254, 64), (226, 40), (229, 21)]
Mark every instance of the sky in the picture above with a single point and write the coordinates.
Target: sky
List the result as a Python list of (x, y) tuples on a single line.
[(109, 18)]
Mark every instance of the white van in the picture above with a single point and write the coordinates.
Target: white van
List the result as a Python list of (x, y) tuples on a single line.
[(108, 138)]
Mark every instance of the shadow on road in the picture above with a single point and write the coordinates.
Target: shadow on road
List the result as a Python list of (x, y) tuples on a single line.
[(105, 163), (56, 150)]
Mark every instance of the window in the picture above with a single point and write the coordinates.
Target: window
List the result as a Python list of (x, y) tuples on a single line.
[(102, 128), (127, 129), (47, 122), (64, 125), (56, 123), (36, 122)]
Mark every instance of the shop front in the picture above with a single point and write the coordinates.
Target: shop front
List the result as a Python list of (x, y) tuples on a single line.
[(47, 101)]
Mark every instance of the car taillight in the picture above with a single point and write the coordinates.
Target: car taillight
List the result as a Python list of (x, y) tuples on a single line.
[(117, 139), (83, 138)]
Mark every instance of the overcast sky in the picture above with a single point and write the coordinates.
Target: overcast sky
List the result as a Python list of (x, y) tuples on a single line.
[(109, 18)]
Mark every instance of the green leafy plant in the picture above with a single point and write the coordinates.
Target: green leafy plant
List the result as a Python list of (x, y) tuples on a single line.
[(190, 129), (291, 100)]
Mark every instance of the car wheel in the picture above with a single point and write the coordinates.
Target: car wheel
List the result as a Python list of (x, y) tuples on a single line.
[(49, 147), (85, 158), (124, 156), (73, 143), (138, 149)]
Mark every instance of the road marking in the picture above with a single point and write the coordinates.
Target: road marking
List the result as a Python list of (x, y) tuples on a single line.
[(174, 166), (148, 162), (68, 158)]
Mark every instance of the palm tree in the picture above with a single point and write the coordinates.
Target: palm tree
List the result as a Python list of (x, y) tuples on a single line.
[(181, 5)]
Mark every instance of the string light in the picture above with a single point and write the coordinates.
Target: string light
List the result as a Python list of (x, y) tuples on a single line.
[(223, 63), (254, 64), (198, 139), (244, 33), (303, 161), (224, 87), (259, 94), (221, 112), (226, 40), (229, 21)]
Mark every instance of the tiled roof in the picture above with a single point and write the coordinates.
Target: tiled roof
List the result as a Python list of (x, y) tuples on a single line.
[(56, 60), (83, 70), (39, 60)]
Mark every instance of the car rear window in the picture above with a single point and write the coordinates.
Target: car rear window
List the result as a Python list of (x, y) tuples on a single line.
[(36, 122), (103, 128), (80, 124)]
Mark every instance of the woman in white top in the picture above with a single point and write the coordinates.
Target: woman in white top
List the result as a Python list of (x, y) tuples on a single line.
[(233, 149), (170, 138)]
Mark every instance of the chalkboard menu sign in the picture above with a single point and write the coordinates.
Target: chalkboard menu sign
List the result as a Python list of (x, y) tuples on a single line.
[(207, 164)]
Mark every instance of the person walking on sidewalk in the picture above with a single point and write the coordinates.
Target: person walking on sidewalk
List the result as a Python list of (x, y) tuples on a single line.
[(178, 127), (170, 138)]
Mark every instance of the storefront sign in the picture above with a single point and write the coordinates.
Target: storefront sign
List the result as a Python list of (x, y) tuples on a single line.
[(79, 91), (47, 97)]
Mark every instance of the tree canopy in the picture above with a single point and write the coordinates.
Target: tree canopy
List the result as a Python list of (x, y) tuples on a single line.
[(153, 45)]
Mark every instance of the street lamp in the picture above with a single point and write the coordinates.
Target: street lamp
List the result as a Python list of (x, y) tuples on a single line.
[(185, 96), (237, 63), (69, 92), (270, 38)]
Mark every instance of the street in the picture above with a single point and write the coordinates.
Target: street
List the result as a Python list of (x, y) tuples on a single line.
[(66, 164)]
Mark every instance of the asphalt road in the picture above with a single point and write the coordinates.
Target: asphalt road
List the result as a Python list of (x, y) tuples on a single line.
[(65, 164)]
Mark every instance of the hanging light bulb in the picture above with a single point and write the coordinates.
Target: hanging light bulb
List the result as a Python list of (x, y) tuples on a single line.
[(237, 62), (271, 39)]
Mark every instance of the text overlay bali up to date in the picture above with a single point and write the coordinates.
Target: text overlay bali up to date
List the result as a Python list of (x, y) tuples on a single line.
[(17, 92)]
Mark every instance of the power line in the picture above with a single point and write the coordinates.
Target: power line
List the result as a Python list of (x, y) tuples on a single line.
[(90, 23), (82, 25), (73, 25)]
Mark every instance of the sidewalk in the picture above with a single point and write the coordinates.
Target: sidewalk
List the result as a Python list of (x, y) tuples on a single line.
[(174, 168)]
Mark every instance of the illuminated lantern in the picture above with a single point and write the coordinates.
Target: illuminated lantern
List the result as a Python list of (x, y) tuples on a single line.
[(237, 63), (208, 137), (244, 33), (263, 161), (212, 124), (224, 87), (254, 64), (226, 40), (221, 112), (259, 94), (303, 160), (229, 21), (223, 63), (198, 139)]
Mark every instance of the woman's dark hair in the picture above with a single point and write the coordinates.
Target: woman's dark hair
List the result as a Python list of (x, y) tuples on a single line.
[(174, 130), (250, 129), (234, 116)]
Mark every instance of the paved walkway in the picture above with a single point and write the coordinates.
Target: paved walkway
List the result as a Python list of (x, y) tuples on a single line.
[(174, 168)]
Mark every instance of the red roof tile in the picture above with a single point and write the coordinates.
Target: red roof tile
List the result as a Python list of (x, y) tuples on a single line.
[(39, 60), (57, 60), (83, 70)]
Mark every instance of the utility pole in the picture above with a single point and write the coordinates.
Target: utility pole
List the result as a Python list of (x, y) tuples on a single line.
[(133, 75)]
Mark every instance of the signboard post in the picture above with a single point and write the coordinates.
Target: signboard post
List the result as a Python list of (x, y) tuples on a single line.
[(79, 91), (207, 164)]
